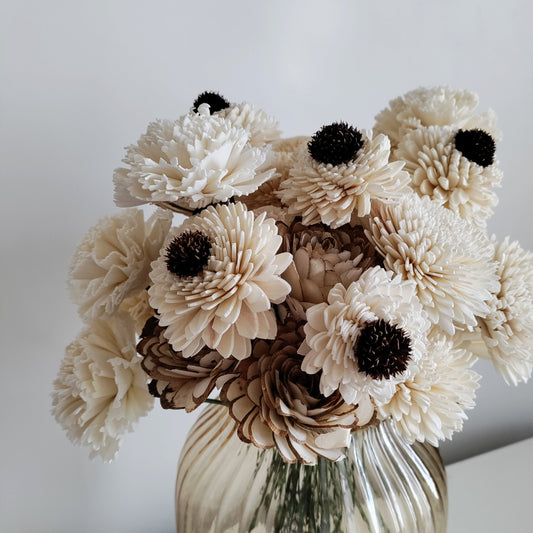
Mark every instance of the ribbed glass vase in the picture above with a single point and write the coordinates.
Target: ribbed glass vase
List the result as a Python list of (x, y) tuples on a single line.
[(383, 485)]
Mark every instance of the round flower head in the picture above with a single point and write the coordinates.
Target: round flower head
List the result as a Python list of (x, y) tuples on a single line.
[(191, 162), (449, 259), (430, 405), (508, 329), (101, 389), (221, 296), (456, 168), (433, 106), (275, 403), (338, 174), (367, 338), (112, 262)]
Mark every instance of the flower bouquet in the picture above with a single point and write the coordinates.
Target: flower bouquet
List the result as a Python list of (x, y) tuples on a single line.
[(318, 287)]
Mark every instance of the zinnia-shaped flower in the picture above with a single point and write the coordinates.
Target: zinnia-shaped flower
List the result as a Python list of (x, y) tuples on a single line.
[(367, 338), (433, 106), (275, 403), (101, 389), (449, 259), (430, 405), (337, 175), (191, 162), (216, 280), (508, 329), (113, 260), (456, 168), (181, 382)]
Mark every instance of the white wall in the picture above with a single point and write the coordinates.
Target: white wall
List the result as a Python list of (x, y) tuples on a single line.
[(80, 80)]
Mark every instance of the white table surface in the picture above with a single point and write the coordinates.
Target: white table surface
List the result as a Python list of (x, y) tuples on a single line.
[(492, 492)]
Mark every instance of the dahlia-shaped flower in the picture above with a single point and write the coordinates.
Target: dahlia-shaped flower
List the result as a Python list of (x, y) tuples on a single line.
[(112, 262), (367, 338), (101, 390), (216, 279)]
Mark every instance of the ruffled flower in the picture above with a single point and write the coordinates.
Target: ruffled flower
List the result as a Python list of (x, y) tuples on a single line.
[(191, 162), (180, 382), (221, 295), (327, 193), (113, 260), (430, 405), (508, 329), (442, 172), (275, 403), (367, 338), (433, 106), (101, 389), (139, 309), (449, 259)]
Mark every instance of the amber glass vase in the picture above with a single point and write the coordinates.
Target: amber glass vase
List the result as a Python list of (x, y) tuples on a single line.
[(383, 485)]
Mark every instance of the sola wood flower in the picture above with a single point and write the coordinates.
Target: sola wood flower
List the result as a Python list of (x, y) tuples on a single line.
[(433, 106), (430, 405), (322, 257), (215, 281), (456, 168), (367, 338), (194, 161), (508, 329), (275, 403), (338, 173), (449, 259), (180, 382), (113, 260), (101, 391)]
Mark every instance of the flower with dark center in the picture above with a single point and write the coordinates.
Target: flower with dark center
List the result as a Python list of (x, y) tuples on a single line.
[(214, 100), (188, 253), (335, 144), (382, 350), (476, 145)]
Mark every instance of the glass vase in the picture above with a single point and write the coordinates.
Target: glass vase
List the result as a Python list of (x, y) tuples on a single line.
[(383, 485)]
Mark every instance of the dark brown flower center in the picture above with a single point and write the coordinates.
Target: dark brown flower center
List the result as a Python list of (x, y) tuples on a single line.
[(383, 350), (213, 100), (335, 144), (188, 253), (476, 145)]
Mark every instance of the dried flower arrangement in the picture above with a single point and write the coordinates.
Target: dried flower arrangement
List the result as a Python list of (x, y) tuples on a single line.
[(318, 284)]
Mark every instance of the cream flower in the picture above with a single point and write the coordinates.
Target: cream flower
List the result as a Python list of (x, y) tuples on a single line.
[(508, 329), (438, 169), (191, 162), (276, 404), (449, 259), (101, 390), (433, 106), (139, 308), (113, 260), (215, 281), (331, 193), (430, 405), (368, 337)]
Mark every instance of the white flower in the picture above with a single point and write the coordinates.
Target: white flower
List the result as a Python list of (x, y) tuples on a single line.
[(439, 170), (113, 260), (320, 192), (508, 329), (438, 106), (449, 259), (367, 338), (192, 162), (101, 390), (221, 287), (430, 405)]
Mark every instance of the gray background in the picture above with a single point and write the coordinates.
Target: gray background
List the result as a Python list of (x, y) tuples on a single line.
[(80, 80)]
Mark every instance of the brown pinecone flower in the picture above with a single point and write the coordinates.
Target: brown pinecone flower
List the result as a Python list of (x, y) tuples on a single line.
[(322, 257), (276, 403), (180, 382)]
